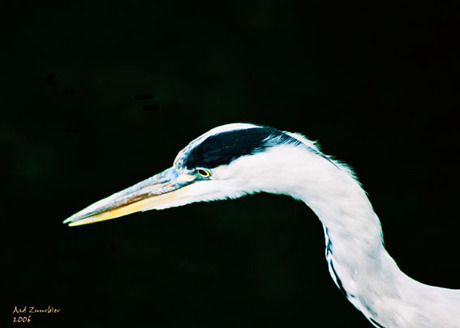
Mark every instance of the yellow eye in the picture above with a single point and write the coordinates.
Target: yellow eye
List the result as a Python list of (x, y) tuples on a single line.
[(204, 173)]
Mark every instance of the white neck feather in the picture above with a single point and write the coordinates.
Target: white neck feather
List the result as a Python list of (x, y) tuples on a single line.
[(358, 261)]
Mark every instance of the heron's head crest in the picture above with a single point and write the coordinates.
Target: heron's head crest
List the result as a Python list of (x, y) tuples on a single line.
[(223, 145)]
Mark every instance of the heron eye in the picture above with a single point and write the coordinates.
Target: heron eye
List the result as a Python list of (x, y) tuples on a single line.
[(204, 173)]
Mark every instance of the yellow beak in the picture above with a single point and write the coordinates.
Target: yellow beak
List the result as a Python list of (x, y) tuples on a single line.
[(153, 193)]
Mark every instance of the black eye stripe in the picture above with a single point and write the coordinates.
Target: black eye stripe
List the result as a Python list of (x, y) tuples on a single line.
[(223, 148)]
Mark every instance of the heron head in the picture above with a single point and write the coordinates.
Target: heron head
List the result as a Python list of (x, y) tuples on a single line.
[(229, 161)]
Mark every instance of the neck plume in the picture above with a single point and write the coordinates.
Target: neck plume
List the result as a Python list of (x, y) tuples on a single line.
[(358, 261)]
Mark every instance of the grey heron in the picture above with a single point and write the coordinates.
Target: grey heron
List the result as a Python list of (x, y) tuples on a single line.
[(237, 159)]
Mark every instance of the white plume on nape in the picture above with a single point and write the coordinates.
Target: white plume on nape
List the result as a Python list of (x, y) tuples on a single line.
[(315, 146)]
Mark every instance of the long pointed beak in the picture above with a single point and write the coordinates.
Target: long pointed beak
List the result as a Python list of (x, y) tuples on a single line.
[(153, 193)]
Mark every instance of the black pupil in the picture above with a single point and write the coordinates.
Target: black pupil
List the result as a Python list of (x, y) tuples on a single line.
[(203, 173)]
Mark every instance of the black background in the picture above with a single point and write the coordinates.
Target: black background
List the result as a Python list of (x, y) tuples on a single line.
[(374, 82)]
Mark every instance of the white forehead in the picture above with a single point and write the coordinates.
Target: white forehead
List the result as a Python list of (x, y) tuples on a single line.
[(225, 128)]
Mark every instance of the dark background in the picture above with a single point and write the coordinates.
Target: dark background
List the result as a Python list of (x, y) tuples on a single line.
[(374, 82)]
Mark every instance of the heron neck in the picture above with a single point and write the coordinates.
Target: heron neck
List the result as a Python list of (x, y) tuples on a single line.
[(358, 261)]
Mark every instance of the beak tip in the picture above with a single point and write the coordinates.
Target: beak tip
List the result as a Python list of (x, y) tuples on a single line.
[(71, 220)]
